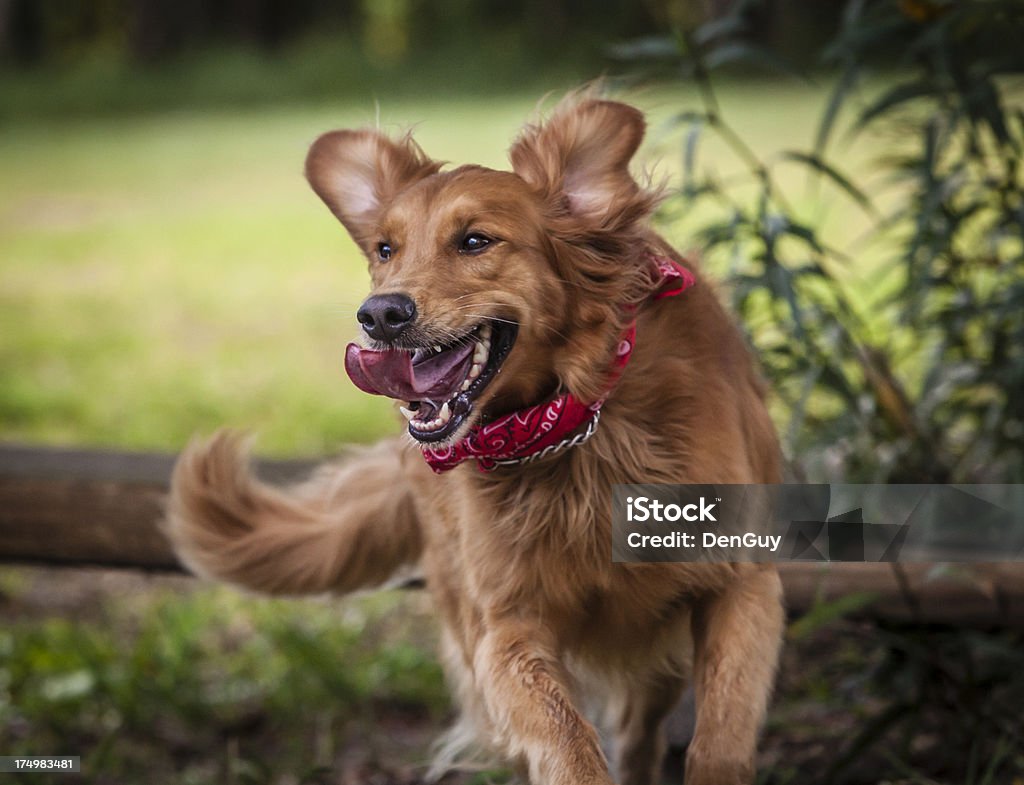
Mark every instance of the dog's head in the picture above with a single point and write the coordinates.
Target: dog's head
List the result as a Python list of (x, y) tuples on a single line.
[(491, 289)]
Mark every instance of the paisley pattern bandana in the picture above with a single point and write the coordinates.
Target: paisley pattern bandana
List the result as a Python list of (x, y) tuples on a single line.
[(518, 436)]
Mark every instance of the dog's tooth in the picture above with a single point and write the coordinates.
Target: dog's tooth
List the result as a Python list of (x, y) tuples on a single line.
[(480, 354), (437, 349), (475, 370), (407, 413), (466, 383), (445, 414), (429, 425), (485, 331)]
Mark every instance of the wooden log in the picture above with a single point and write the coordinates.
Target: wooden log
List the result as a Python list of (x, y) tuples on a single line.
[(973, 595), (67, 507), (93, 507), (103, 508)]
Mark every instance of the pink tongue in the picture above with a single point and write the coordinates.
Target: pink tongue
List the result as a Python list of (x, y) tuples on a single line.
[(393, 374)]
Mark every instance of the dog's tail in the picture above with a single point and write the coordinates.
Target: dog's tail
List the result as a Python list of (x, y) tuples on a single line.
[(350, 526)]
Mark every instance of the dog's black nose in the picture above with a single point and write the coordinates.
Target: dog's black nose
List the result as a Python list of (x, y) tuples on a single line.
[(386, 316)]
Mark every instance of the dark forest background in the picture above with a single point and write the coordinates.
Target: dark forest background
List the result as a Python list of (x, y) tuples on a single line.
[(116, 55), (53, 33)]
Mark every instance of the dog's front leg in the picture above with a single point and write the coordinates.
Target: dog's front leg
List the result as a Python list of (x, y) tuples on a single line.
[(736, 633), (641, 732), (526, 691)]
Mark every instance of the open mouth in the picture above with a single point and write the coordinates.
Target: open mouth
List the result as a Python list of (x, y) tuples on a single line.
[(441, 383)]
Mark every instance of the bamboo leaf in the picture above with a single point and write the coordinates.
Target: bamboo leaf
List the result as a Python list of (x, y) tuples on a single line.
[(654, 47), (732, 24), (835, 176), (836, 101), (894, 97), (984, 106), (748, 53), (690, 150)]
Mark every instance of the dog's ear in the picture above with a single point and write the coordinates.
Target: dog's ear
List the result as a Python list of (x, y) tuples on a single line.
[(356, 172), (581, 158)]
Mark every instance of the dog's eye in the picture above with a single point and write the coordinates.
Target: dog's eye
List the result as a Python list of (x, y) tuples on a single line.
[(384, 251), (474, 243)]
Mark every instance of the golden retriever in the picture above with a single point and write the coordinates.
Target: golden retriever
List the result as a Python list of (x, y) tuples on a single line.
[(515, 297)]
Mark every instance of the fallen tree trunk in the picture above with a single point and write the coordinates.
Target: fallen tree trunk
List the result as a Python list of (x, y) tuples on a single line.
[(101, 508), (92, 507)]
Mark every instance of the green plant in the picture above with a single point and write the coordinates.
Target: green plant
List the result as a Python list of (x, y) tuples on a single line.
[(922, 380)]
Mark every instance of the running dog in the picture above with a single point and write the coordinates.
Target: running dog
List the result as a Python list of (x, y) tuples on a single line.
[(542, 343)]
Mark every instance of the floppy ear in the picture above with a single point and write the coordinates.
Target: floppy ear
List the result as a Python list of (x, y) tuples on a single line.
[(581, 158), (356, 172)]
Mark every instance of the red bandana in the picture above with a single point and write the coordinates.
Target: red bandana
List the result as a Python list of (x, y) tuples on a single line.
[(539, 430)]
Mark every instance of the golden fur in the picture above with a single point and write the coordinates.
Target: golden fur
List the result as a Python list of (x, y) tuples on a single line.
[(537, 619)]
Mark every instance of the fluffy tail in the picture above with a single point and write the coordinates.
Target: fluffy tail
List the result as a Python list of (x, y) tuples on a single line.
[(350, 526)]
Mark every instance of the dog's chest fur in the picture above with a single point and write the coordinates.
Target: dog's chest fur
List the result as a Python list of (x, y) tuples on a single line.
[(536, 542)]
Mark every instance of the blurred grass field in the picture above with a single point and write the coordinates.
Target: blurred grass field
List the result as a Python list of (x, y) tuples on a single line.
[(167, 274)]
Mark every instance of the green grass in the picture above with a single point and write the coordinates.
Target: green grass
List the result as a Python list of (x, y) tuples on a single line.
[(167, 274), (162, 685)]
